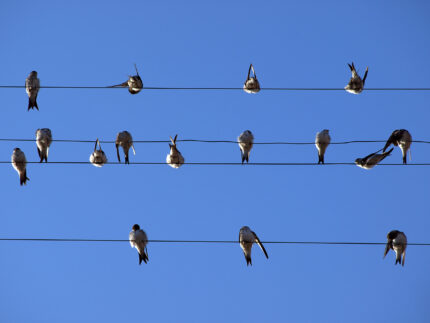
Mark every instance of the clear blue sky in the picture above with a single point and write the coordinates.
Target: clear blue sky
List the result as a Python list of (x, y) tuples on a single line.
[(195, 43)]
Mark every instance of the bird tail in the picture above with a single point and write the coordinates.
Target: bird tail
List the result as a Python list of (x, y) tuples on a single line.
[(320, 158), (144, 258), (23, 178), (248, 260), (365, 75), (398, 258), (387, 153), (410, 155), (126, 158)]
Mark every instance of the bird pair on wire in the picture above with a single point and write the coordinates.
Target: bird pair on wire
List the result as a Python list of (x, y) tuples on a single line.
[(247, 237), (400, 137)]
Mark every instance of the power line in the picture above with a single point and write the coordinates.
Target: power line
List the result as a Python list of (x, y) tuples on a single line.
[(210, 141), (202, 241), (216, 163), (221, 88)]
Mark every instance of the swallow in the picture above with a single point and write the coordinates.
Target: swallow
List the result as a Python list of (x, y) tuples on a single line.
[(125, 140), (139, 240), (372, 160), (43, 141), (246, 141), (251, 84), (134, 83), (174, 158), (19, 162), (322, 140), (32, 86), (98, 157), (403, 139), (398, 242), (356, 84), (246, 239)]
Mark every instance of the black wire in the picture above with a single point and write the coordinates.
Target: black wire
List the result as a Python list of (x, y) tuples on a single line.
[(211, 141), (203, 241), (220, 88), (213, 164)]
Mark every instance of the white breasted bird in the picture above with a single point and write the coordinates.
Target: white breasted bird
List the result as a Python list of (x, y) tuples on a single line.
[(398, 242), (372, 160), (246, 240), (322, 140), (32, 86), (19, 162), (356, 84), (174, 158), (134, 83), (125, 140), (43, 142), (139, 240), (246, 141), (403, 139), (98, 157), (251, 84)]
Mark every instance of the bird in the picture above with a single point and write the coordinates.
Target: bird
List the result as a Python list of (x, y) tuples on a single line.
[(356, 84), (246, 141), (32, 86), (98, 157), (246, 239), (125, 140), (398, 242), (43, 142), (372, 160), (134, 83), (401, 138), (174, 158), (19, 162), (251, 84), (322, 140), (139, 239)]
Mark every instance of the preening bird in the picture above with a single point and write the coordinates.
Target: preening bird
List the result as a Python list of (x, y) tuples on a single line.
[(98, 157), (32, 86), (322, 140), (251, 84), (125, 140), (139, 240), (246, 240), (398, 242), (43, 142), (246, 141), (134, 83), (19, 162), (356, 84), (403, 139), (174, 158), (372, 160)]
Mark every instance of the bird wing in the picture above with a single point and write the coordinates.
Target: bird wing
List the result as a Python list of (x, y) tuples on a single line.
[(260, 245), (122, 84)]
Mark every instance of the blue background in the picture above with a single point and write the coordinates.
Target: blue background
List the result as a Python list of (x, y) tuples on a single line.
[(200, 43)]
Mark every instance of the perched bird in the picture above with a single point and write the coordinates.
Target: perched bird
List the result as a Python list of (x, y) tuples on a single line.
[(401, 138), (98, 157), (32, 86), (322, 140), (251, 84), (138, 239), (246, 141), (246, 239), (19, 162), (134, 83), (174, 158), (125, 140), (43, 141), (398, 242), (356, 84), (372, 160)]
